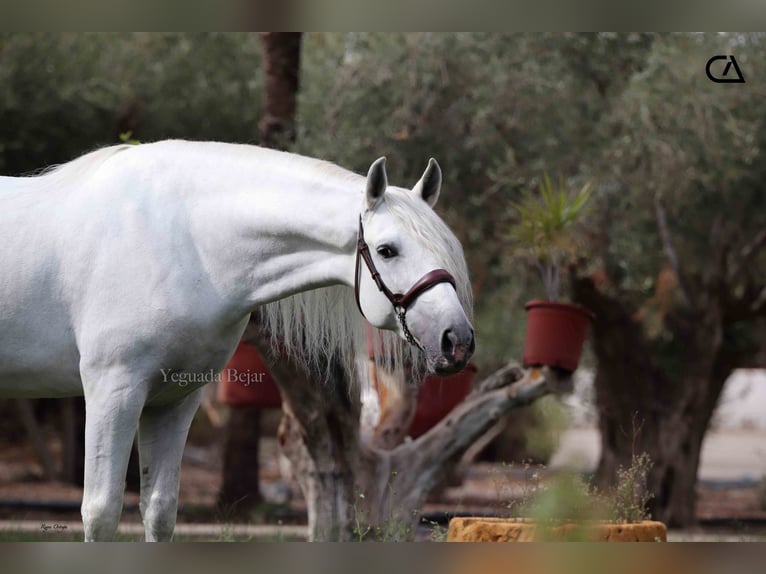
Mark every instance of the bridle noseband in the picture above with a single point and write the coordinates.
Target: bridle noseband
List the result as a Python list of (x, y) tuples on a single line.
[(401, 302)]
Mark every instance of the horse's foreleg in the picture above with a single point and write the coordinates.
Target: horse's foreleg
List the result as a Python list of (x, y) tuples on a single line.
[(161, 438), (112, 411)]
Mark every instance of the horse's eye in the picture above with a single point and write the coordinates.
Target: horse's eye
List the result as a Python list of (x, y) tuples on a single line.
[(387, 252)]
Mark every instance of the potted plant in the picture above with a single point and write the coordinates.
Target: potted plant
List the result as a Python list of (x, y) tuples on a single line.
[(246, 381), (437, 396), (546, 233)]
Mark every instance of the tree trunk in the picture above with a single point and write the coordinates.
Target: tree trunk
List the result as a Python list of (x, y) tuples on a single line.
[(282, 61), (73, 447), (240, 489), (322, 468), (674, 447), (319, 436), (36, 436), (647, 404)]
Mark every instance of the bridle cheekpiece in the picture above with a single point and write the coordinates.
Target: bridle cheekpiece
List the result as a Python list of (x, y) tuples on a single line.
[(401, 302)]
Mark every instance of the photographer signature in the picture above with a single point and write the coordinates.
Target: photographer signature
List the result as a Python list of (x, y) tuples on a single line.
[(55, 526)]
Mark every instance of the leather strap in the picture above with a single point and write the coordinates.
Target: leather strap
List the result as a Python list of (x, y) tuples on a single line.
[(430, 279), (399, 301)]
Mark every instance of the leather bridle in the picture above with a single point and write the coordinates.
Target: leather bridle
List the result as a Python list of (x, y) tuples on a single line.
[(401, 302)]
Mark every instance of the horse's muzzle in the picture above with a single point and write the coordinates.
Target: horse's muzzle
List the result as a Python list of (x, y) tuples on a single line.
[(455, 353)]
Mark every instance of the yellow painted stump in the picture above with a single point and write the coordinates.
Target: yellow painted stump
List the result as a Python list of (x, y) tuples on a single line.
[(471, 529)]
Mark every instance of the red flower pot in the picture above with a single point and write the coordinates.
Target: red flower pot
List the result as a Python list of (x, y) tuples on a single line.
[(556, 333), (437, 396), (246, 381)]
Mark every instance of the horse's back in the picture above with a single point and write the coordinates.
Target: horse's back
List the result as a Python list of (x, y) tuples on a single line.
[(40, 228), (98, 258), (37, 354)]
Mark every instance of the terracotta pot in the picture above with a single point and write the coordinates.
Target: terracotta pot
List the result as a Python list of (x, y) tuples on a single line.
[(437, 396), (556, 333), (470, 529), (246, 381)]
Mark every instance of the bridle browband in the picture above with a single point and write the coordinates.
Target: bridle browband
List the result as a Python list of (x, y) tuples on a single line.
[(401, 302)]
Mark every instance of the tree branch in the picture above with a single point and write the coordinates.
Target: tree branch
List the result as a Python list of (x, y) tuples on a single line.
[(719, 252), (508, 388), (746, 256), (750, 302), (758, 306), (670, 250)]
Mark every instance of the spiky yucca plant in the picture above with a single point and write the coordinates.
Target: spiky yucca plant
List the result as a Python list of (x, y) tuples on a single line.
[(545, 231)]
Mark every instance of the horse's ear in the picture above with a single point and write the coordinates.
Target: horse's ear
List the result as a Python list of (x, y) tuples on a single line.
[(377, 182), (430, 184)]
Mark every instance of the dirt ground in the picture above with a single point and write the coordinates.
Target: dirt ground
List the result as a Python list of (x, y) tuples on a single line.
[(485, 488), (731, 493)]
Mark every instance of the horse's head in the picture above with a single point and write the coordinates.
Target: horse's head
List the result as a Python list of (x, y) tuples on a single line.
[(404, 241)]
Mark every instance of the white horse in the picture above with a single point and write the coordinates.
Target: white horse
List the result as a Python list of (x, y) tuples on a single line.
[(135, 262)]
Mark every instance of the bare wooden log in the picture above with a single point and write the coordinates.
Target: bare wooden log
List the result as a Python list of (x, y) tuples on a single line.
[(414, 468), (508, 388)]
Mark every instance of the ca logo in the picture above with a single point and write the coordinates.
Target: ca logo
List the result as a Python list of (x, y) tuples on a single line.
[(725, 78)]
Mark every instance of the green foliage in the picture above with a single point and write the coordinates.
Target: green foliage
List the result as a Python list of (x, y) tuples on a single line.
[(546, 231), (361, 528), (393, 526), (631, 495), (498, 314), (567, 497), (517, 501), (438, 532), (55, 101), (698, 150), (552, 419), (680, 138), (65, 93), (127, 138)]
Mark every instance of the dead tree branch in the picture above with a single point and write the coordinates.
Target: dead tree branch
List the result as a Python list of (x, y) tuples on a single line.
[(428, 457)]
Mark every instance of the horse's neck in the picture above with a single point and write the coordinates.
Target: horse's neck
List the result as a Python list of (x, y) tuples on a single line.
[(278, 229)]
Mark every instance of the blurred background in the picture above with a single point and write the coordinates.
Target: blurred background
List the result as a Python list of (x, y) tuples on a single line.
[(671, 254)]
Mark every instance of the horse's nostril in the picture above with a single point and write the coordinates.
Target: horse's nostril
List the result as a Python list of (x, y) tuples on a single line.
[(472, 344), (448, 342)]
